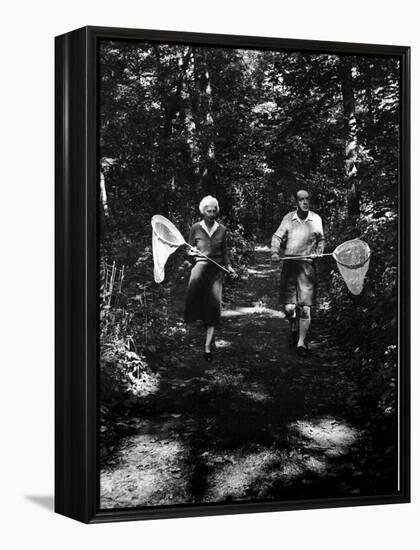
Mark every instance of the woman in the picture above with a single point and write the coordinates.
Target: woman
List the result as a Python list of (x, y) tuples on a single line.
[(204, 295)]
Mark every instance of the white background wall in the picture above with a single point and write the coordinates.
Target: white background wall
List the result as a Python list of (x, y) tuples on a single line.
[(26, 218)]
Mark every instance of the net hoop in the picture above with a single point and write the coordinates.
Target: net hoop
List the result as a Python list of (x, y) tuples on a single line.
[(354, 243), (166, 239), (158, 223), (353, 259)]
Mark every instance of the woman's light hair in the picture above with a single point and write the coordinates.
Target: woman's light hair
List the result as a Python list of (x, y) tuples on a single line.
[(208, 201)]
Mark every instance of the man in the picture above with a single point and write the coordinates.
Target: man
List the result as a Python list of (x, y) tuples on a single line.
[(300, 234)]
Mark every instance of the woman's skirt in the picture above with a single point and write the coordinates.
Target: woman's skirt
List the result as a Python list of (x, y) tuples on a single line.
[(204, 294)]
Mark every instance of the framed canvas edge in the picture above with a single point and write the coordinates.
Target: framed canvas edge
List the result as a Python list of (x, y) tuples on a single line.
[(76, 249), (241, 41)]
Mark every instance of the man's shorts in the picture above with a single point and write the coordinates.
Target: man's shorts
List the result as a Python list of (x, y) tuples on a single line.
[(298, 283)]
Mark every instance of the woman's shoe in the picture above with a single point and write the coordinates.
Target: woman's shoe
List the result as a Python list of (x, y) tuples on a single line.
[(208, 356)]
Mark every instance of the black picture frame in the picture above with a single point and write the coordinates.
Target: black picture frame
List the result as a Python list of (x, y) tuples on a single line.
[(76, 249)]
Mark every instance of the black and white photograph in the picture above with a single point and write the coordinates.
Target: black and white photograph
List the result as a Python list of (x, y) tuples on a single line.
[(249, 315), (209, 264)]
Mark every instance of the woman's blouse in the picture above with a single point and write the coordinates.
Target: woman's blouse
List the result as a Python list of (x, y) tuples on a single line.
[(215, 247)]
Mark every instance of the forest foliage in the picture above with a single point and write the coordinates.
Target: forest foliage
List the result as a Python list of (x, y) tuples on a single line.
[(250, 127)]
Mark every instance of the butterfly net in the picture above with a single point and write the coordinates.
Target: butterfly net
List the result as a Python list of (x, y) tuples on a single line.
[(353, 258), (165, 240)]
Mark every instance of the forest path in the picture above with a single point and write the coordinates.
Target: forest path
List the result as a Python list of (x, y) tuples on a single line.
[(257, 423)]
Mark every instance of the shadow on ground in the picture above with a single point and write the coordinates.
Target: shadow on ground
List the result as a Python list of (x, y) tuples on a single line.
[(258, 423)]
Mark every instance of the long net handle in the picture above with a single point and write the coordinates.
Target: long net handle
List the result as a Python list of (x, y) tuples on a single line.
[(204, 256), (313, 256), (192, 248)]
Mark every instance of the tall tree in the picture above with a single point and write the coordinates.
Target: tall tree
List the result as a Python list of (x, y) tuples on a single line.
[(351, 145)]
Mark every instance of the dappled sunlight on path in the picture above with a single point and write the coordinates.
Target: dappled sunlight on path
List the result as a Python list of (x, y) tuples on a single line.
[(258, 423), (257, 309), (149, 471)]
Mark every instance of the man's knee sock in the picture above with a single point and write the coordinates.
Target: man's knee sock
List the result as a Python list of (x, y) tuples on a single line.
[(304, 324)]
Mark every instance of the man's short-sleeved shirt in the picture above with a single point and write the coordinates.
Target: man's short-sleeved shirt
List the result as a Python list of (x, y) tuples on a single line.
[(301, 236)]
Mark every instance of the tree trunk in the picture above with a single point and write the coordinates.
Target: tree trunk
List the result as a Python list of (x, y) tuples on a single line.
[(190, 116), (104, 198), (208, 158), (171, 106), (106, 163), (351, 148)]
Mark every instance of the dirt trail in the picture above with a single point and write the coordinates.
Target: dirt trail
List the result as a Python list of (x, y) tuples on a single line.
[(257, 423)]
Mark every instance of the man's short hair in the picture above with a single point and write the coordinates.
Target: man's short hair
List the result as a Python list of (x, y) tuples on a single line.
[(299, 190)]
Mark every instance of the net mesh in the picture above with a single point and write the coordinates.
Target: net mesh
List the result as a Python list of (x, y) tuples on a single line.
[(353, 258), (165, 240)]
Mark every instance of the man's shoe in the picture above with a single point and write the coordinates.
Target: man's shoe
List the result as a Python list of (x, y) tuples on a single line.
[(208, 356), (302, 351)]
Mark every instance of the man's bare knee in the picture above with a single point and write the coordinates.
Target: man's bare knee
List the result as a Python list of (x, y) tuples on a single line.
[(305, 312), (290, 310)]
